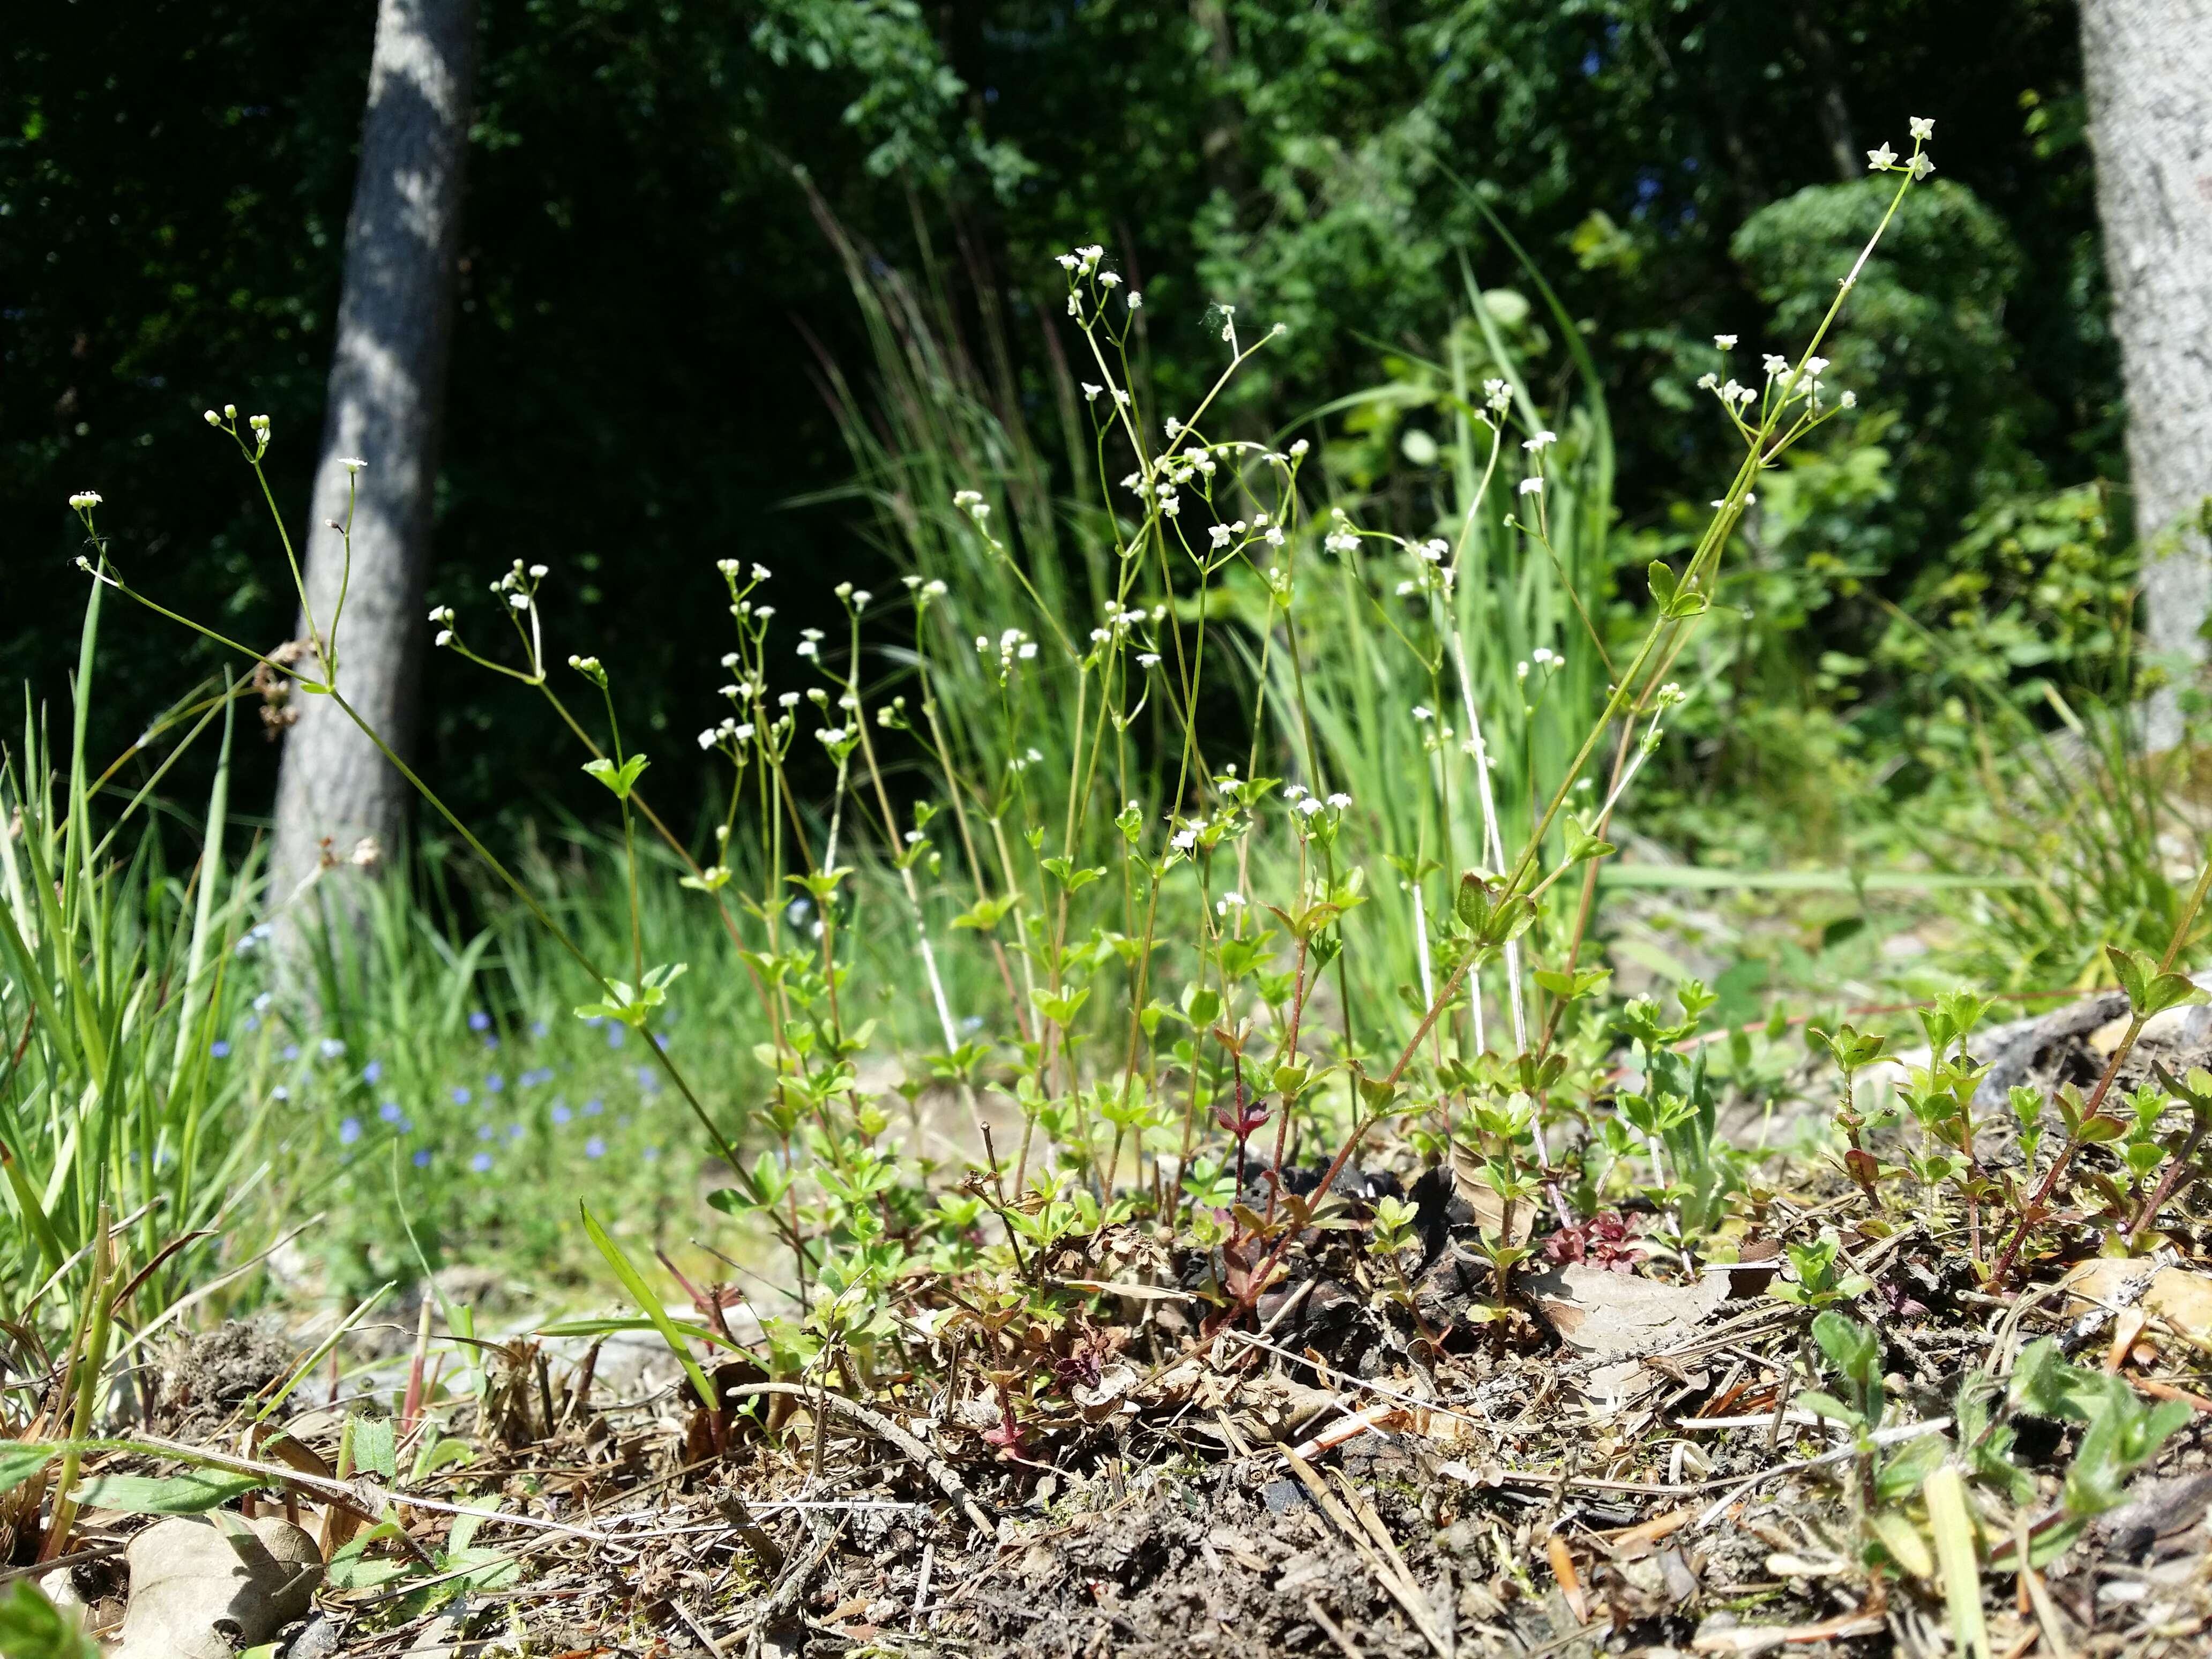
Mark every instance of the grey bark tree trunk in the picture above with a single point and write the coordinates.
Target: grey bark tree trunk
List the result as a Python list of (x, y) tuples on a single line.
[(387, 392), (2147, 66)]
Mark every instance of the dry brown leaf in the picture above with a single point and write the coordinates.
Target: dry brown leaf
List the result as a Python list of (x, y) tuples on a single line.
[(1620, 1316)]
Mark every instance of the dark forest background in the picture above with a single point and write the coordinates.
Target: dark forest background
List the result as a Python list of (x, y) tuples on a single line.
[(650, 306)]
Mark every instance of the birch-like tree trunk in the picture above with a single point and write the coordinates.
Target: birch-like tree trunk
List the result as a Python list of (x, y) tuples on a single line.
[(339, 802), (2147, 65)]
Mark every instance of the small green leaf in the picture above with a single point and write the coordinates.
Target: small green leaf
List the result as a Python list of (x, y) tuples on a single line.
[(374, 1446), (650, 1305), (19, 1460), (193, 1493), (619, 779), (32, 1627)]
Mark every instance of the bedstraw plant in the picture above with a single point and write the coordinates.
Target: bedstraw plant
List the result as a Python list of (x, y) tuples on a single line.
[(1168, 973)]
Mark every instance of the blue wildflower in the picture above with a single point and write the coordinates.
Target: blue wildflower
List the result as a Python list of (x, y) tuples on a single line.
[(422, 1158), (349, 1131), (481, 1163), (219, 1048), (595, 1147), (460, 1096), (479, 1021)]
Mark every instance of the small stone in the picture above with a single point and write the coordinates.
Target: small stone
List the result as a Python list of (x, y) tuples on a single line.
[(1282, 1496)]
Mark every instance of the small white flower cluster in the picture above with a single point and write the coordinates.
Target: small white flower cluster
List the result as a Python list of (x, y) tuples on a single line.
[(1120, 622), (1306, 807), (1496, 396), (971, 503), (1735, 396), (519, 586), (1544, 657), (1082, 265), (1341, 537), (84, 501), (441, 618), (1013, 645), (1430, 572), (1885, 160)]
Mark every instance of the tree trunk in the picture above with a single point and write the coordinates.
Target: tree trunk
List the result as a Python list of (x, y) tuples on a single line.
[(2147, 65), (339, 802)]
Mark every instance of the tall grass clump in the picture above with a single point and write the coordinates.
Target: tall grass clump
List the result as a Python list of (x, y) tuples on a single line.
[(120, 981)]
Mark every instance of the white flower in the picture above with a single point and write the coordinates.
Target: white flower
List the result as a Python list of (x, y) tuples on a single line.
[(760, 573), (1108, 279), (352, 464), (1340, 541), (1148, 659), (787, 699), (1422, 712), (1091, 393), (1309, 805), (84, 498), (1709, 382), (1881, 160), (520, 601), (1229, 323), (1298, 449), (1183, 839), (1815, 365), (1531, 486), (1228, 901), (539, 573), (1120, 398), (1065, 261), (1497, 394), (1725, 342), (1174, 426), (1922, 167), (445, 637), (1339, 800), (213, 419), (707, 738), (1136, 300), (1775, 364), (1923, 127), (1219, 534), (1540, 442), (1849, 400), (1074, 306), (1274, 535)]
